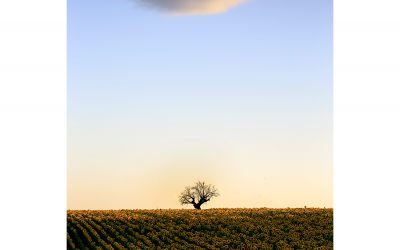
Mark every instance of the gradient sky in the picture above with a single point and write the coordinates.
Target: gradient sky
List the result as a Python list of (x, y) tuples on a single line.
[(236, 93)]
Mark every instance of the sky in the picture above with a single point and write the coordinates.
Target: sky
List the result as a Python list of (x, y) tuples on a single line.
[(238, 94)]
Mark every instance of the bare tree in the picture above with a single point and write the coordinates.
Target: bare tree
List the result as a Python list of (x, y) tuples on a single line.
[(197, 195)]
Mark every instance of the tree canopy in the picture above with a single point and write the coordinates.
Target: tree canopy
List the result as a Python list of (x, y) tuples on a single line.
[(198, 194)]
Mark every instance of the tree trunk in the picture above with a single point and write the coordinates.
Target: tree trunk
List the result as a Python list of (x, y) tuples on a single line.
[(197, 206)]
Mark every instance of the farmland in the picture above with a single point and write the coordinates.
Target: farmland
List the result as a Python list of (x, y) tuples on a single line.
[(222, 228)]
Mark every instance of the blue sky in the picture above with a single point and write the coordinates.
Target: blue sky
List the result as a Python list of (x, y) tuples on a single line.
[(258, 75)]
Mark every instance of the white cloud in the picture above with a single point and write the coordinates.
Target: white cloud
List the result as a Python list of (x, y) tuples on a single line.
[(190, 7)]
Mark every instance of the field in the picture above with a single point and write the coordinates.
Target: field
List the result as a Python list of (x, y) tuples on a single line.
[(222, 228)]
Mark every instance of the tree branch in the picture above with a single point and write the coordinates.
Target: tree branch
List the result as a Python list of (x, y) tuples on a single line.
[(199, 194)]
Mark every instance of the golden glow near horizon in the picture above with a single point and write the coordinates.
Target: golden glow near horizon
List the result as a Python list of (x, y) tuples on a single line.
[(135, 167)]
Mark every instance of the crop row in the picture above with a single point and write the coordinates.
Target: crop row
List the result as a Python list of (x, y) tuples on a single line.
[(241, 228)]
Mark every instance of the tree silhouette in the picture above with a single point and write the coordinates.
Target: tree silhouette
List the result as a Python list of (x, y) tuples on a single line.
[(197, 195)]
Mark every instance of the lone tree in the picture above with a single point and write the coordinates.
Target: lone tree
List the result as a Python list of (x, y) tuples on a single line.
[(197, 195)]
